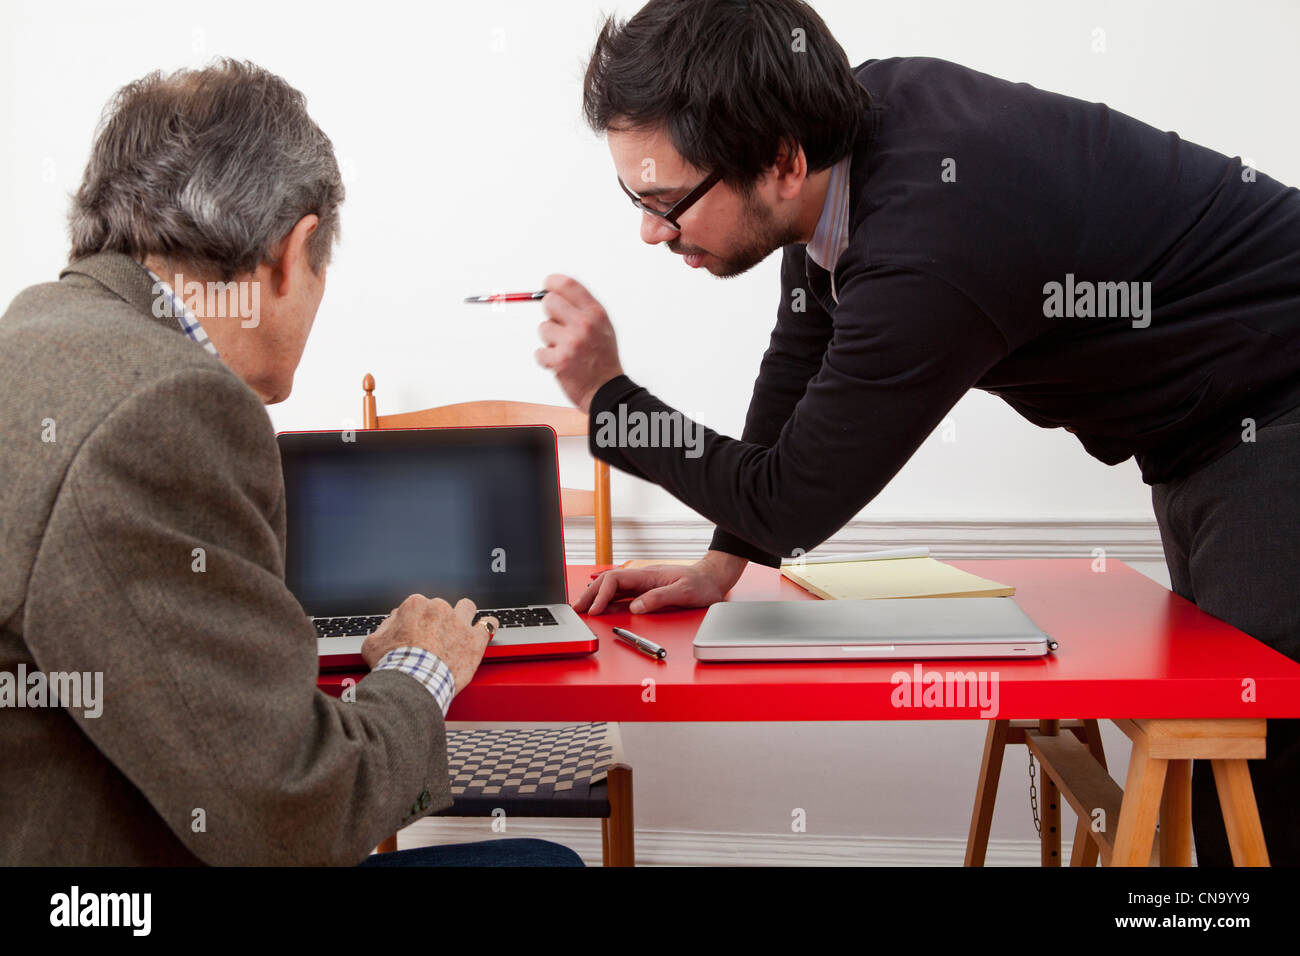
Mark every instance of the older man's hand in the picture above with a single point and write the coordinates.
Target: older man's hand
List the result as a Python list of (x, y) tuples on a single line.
[(437, 627), (579, 341)]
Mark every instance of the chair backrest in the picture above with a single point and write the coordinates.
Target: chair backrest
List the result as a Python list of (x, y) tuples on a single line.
[(566, 421)]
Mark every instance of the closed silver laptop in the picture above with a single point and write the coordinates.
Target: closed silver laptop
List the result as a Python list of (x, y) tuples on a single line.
[(893, 628)]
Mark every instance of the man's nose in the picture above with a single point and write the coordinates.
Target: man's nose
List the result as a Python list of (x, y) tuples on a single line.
[(655, 230)]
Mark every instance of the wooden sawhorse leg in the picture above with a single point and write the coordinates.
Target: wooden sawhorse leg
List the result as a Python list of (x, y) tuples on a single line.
[(986, 792), (1000, 734), (1084, 851), (1175, 836), (1166, 748), (1049, 806), (1119, 826), (1240, 814), (1144, 789)]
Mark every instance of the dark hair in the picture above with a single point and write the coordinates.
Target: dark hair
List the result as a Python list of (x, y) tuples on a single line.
[(731, 81), (209, 168)]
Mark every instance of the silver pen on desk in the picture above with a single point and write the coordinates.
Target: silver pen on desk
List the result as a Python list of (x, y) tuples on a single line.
[(640, 643)]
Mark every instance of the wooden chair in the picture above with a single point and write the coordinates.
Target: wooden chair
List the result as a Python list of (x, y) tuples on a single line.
[(609, 799)]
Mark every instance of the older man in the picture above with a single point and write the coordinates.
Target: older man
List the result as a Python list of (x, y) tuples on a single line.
[(161, 704)]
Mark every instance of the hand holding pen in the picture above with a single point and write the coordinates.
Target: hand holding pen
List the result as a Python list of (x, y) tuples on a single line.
[(578, 339)]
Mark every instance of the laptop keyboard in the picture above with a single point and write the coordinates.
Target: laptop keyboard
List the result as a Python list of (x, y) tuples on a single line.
[(520, 616), (347, 626), (361, 626)]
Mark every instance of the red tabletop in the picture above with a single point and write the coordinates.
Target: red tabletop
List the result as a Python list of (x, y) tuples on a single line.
[(1128, 648)]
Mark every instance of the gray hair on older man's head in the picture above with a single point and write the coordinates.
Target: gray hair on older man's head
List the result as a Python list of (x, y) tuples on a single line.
[(207, 168)]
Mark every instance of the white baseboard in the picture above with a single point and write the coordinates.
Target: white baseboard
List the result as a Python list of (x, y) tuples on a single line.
[(1123, 539), (693, 848)]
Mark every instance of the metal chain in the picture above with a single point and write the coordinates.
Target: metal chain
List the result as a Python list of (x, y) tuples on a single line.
[(1033, 800), (1033, 797)]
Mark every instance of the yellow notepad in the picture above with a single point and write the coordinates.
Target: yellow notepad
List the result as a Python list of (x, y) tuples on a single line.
[(892, 578)]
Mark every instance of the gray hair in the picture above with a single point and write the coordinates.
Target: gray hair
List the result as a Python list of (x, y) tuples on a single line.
[(209, 168)]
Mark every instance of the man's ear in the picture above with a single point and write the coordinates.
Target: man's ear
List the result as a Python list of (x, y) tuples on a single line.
[(291, 252), (790, 169)]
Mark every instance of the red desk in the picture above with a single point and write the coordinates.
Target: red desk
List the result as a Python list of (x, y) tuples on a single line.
[(1130, 651)]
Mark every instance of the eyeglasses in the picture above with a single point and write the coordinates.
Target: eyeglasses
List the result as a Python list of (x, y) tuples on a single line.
[(679, 207)]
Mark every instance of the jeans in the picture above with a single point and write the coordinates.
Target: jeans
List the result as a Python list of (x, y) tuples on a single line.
[(485, 853), (1231, 536)]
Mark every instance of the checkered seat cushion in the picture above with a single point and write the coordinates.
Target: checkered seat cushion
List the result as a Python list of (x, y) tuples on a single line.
[(555, 772)]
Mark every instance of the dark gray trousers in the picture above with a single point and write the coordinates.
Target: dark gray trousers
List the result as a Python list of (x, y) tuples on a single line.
[(1231, 535)]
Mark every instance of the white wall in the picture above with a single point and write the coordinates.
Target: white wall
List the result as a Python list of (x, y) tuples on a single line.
[(459, 132)]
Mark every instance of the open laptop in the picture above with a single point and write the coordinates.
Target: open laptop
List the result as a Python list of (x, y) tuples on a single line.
[(888, 629), (375, 516)]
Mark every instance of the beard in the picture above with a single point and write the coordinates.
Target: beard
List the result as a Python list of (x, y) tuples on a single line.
[(761, 236)]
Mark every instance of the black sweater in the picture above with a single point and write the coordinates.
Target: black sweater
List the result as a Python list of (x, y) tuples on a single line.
[(946, 286)]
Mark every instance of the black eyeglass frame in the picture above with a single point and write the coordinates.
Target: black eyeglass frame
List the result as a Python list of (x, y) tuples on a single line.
[(679, 207)]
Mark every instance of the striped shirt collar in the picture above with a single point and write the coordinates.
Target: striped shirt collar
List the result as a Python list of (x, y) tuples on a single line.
[(831, 237), (189, 322)]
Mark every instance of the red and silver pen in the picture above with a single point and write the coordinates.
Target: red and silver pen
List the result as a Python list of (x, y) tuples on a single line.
[(507, 297)]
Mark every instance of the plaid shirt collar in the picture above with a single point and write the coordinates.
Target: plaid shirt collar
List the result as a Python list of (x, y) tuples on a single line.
[(831, 237), (189, 322)]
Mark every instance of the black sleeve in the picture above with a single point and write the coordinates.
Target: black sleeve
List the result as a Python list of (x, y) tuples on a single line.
[(904, 347), (793, 356)]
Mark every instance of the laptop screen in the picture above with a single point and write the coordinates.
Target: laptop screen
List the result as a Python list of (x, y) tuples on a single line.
[(443, 512)]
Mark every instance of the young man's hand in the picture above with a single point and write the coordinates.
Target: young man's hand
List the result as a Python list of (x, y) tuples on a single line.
[(579, 341), (705, 582)]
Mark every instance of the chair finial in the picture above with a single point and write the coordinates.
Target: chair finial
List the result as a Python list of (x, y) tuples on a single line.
[(368, 383)]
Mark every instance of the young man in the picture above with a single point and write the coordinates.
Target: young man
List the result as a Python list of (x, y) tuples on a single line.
[(945, 230), (144, 529)]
